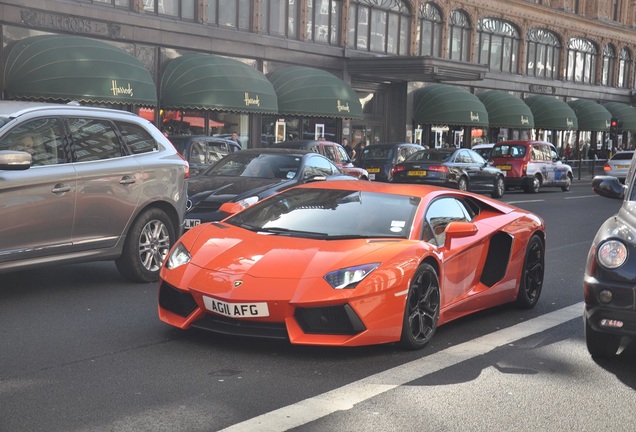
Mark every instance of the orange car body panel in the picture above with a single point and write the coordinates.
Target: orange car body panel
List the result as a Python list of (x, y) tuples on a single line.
[(288, 272)]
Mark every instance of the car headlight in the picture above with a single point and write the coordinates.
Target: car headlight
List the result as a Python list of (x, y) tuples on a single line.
[(246, 202), (349, 277), (178, 257), (612, 254)]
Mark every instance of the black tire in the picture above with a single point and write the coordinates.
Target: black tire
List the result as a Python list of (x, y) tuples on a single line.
[(147, 244), (421, 311), (599, 344), (534, 186), (462, 184), (532, 274), (499, 188), (568, 184)]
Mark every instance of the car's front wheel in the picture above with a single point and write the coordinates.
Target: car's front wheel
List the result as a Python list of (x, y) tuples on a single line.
[(600, 344), (568, 183), (146, 247), (462, 184), (532, 274), (422, 308)]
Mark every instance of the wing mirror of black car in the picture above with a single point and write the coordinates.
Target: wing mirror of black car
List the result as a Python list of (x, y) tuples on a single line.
[(458, 230), (15, 160), (314, 178), (608, 187)]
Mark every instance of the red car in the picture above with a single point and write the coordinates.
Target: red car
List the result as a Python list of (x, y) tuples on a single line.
[(348, 263)]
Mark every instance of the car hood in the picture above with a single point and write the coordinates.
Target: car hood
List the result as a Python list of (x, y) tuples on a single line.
[(222, 188), (234, 251)]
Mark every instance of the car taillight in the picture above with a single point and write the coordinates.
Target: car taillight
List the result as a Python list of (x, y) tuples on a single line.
[(606, 167), (187, 171), (397, 169), (524, 169), (438, 168)]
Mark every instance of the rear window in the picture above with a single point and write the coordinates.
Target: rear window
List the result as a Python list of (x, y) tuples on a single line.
[(372, 152), (430, 155), (514, 150), (622, 156)]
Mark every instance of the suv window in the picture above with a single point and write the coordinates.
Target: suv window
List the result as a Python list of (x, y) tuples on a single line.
[(94, 139), (137, 138), (42, 138)]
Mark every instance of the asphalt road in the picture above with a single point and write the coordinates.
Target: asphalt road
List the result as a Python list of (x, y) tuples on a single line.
[(82, 350)]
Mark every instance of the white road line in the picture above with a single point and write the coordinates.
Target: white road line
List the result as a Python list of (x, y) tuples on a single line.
[(348, 396), (525, 201), (583, 196)]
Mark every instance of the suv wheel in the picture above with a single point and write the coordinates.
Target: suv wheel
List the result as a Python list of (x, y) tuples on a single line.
[(146, 247)]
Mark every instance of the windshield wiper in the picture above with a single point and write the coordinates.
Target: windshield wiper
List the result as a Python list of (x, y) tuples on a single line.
[(291, 232)]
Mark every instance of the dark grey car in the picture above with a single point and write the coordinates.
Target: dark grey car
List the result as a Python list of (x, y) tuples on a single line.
[(86, 184), (201, 151)]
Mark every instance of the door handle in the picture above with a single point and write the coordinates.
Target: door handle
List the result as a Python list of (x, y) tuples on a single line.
[(59, 189), (127, 180)]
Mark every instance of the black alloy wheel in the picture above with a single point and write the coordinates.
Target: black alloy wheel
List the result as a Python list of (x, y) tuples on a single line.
[(421, 312), (532, 274)]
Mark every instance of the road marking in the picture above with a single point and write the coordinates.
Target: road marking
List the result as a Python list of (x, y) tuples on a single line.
[(522, 202), (584, 196), (348, 396)]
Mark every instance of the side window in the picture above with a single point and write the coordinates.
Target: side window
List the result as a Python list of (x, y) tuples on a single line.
[(463, 157), (42, 138), (319, 166), (330, 152), (439, 214), (536, 153), (314, 148), (137, 138), (344, 157), (94, 139)]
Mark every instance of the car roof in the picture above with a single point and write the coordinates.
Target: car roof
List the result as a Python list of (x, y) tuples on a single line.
[(199, 137), (17, 108), (269, 150), (483, 145)]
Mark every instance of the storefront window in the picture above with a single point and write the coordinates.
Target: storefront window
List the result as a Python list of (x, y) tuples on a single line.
[(609, 60), (323, 21), (280, 18), (459, 37), (430, 34), (581, 61), (176, 8), (498, 45), (379, 26), (277, 128), (543, 54)]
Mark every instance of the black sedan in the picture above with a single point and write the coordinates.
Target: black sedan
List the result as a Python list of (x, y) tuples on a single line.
[(457, 168), (250, 175), (378, 159), (608, 284), (201, 151)]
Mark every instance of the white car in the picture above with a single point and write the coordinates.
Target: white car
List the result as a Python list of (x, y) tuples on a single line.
[(618, 165)]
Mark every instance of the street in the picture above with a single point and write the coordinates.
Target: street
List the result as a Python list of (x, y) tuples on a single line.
[(82, 350)]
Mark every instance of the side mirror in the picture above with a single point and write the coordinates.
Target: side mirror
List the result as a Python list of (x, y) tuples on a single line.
[(15, 160), (458, 230), (608, 187), (231, 208)]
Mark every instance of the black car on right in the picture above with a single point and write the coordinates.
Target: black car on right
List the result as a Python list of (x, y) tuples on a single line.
[(458, 168), (379, 159), (609, 283)]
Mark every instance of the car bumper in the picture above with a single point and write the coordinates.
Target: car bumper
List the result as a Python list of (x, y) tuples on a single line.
[(616, 317)]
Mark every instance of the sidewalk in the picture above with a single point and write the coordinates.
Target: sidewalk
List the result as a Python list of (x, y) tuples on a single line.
[(584, 174)]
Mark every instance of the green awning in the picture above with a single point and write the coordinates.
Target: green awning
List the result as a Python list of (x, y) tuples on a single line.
[(211, 82), (67, 68), (591, 115), (551, 113), (443, 104), (506, 110), (626, 114), (313, 92)]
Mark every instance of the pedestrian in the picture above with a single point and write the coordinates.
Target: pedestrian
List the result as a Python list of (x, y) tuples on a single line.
[(350, 151), (568, 152)]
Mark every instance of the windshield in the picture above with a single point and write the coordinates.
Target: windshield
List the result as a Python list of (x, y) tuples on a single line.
[(331, 214), (244, 164), (430, 155), (516, 151)]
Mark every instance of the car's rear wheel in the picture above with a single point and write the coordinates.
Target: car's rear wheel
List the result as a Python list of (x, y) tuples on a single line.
[(600, 344), (499, 188), (532, 274), (421, 312), (462, 184), (146, 247), (568, 183), (534, 185)]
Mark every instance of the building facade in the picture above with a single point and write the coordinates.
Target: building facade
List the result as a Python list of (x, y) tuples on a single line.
[(314, 52)]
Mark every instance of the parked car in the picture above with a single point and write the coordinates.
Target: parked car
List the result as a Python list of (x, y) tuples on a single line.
[(87, 184), (378, 159), (618, 165), (458, 168), (349, 263), (201, 151), (484, 149), (531, 165), (608, 283), (332, 151), (248, 176)]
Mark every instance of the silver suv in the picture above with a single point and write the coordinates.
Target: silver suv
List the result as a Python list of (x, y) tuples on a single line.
[(86, 184)]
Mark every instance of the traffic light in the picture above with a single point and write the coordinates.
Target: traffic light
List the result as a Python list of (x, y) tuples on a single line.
[(613, 127)]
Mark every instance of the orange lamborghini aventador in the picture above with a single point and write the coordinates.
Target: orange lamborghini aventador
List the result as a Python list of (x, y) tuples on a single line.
[(348, 263)]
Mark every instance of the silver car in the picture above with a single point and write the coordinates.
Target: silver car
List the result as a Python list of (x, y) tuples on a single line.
[(618, 165), (85, 184)]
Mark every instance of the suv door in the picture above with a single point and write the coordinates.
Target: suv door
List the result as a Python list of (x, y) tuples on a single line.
[(110, 182), (38, 204)]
